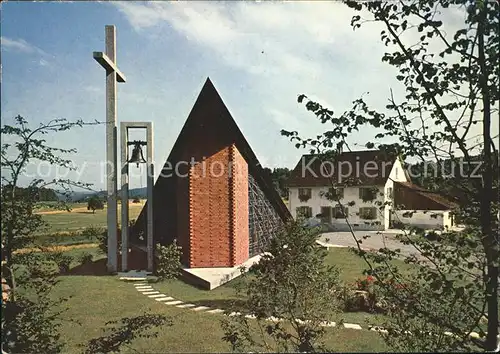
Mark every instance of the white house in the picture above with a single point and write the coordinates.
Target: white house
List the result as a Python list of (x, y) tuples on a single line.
[(416, 206), (370, 185)]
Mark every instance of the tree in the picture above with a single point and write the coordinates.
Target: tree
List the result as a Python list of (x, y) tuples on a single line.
[(21, 146), (291, 282), (279, 176), (28, 325), (31, 318), (95, 203), (451, 83)]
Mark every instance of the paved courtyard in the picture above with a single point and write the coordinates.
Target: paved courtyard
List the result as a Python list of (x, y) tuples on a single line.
[(376, 240)]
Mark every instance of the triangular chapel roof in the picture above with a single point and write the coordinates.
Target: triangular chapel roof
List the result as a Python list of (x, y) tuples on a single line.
[(210, 114), (210, 110)]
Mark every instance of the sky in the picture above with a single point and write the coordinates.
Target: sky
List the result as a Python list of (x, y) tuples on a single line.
[(259, 55)]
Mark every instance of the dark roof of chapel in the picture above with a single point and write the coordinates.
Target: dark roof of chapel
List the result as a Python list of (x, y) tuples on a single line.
[(210, 116)]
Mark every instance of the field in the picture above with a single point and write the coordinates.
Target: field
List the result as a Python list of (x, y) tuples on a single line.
[(79, 217)]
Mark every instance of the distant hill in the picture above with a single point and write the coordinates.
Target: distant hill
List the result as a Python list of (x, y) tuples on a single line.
[(141, 193), (83, 195)]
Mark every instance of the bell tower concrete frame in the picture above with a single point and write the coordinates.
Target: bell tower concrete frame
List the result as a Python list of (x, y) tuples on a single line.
[(124, 129)]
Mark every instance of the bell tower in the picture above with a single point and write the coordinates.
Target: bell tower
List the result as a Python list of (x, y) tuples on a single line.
[(137, 157)]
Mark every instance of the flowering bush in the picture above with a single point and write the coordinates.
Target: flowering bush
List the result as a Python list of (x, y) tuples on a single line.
[(395, 285), (369, 295), (360, 295), (365, 284)]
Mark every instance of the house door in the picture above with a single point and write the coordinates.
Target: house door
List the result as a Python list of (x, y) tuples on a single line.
[(326, 214)]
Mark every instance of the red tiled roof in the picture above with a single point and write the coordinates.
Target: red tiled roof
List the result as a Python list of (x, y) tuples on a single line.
[(432, 196), (368, 167)]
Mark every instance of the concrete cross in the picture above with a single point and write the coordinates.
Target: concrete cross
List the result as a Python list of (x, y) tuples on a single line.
[(113, 75)]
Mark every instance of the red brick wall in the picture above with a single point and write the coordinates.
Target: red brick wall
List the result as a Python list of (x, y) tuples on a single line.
[(239, 208), (210, 212), (218, 210)]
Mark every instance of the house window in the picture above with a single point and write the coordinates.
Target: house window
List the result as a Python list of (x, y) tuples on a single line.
[(389, 193), (304, 211), (367, 194), (368, 213), (304, 194), (340, 212), (335, 193), (326, 214), (396, 172)]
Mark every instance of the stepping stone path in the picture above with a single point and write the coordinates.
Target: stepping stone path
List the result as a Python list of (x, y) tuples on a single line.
[(148, 290), (184, 306), (381, 330), (166, 298), (216, 311), (176, 302), (352, 326), (201, 308)]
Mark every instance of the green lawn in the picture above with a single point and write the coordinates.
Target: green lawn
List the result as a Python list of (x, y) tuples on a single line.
[(351, 266), (96, 300), (227, 296)]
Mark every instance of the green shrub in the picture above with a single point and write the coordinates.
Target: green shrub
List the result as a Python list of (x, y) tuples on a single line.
[(102, 236), (168, 261), (92, 233), (29, 322), (76, 237), (44, 268), (28, 257), (353, 303), (62, 260), (86, 258)]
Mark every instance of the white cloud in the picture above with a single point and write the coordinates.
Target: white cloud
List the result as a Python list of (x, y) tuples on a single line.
[(93, 89), (284, 120), (22, 46), (265, 38), (43, 62), (286, 48)]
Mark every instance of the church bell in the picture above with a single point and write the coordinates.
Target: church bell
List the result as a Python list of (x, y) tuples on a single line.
[(137, 156)]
